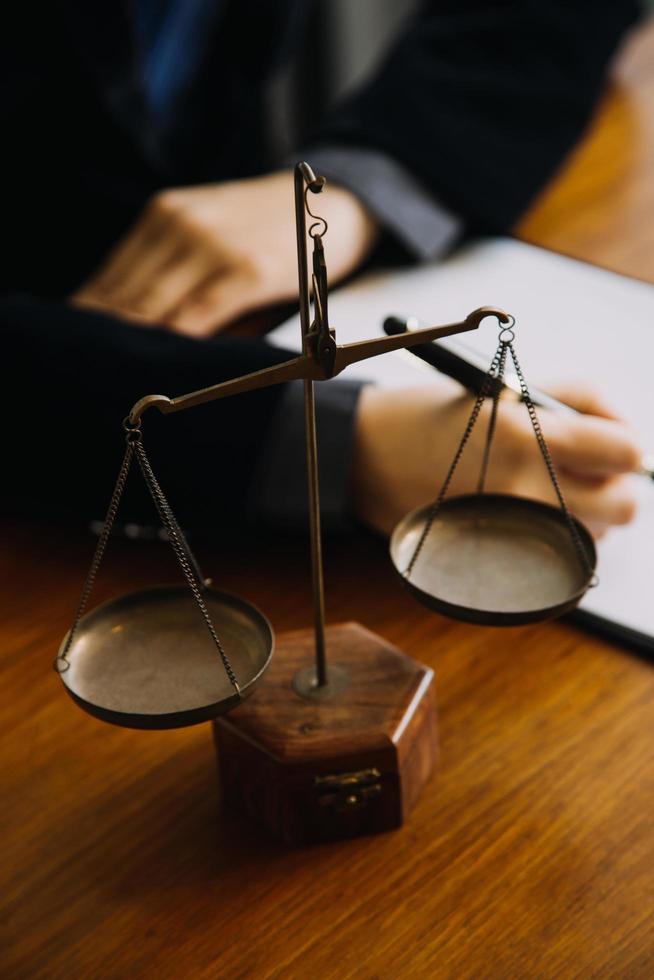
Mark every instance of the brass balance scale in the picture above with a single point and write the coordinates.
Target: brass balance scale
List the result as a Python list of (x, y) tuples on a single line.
[(325, 750)]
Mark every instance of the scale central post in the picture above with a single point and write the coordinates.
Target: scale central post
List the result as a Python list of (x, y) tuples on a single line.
[(311, 682)]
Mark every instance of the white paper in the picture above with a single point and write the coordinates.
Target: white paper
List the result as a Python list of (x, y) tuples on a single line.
[(574, 321)]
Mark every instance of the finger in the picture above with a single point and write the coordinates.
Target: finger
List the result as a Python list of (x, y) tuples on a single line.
[(590, 445), (148, 267), (168, 287), (145, 238), (172, 285), (584, 398), (163, 280), (613, 502), (90, 302), (598, 531), (215, 305)]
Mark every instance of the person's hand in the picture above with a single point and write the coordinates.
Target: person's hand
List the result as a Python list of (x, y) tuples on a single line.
[(200, 257), (406, 440)]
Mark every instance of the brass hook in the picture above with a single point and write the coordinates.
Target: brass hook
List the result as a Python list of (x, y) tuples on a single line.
[(318, 219), (475, 318)]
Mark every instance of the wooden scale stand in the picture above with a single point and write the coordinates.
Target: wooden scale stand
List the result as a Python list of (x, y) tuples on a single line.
[(340, 736)]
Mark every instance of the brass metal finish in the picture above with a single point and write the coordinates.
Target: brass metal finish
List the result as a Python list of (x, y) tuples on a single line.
[(321, 359), (145, 660), (494, 559), (304, 174), (349, 789), (307, 684), (307, 367)]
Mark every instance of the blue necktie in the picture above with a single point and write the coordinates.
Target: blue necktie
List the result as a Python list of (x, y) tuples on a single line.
[(172, 35)]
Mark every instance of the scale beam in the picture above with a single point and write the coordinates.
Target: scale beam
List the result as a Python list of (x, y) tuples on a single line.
[(296, 369), (319, 364)]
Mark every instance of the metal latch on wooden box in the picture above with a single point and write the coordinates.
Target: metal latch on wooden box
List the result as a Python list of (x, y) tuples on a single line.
[(349, 789)]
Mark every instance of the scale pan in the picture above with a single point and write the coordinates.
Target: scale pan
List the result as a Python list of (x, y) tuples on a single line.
[(146, 660), (494, 559)]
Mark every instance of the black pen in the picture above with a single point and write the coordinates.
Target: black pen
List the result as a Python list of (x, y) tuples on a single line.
[(470, 369)]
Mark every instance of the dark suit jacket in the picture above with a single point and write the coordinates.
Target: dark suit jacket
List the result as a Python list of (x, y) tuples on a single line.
[(480, 100)]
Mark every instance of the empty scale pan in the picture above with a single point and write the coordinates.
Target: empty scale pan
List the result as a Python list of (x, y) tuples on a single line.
[(147, 659), (495, 559)]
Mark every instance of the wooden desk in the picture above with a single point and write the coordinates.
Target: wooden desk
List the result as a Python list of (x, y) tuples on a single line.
[(530, 855), (601, 206)]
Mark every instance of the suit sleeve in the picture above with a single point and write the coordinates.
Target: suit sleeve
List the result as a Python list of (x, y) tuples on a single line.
[(71, 376), (481, 100)]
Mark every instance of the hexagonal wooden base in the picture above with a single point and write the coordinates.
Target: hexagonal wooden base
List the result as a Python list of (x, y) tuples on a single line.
[(313, 770)]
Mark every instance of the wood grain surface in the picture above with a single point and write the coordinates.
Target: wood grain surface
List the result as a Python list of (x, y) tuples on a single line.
[(529, 855), (600, 207), (278, 750)]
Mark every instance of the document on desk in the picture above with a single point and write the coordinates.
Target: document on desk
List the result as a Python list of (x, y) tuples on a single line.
[(574, 321)]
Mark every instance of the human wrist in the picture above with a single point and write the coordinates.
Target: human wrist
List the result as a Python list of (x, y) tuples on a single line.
[(369, 489)]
